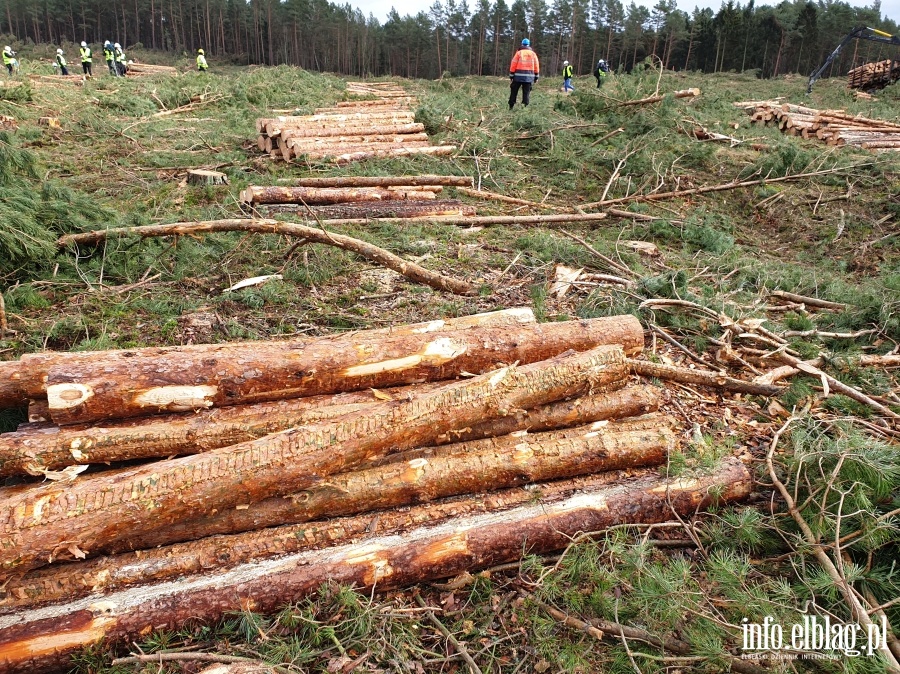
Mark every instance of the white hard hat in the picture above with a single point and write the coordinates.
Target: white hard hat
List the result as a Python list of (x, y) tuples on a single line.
[(117, 45), (7, 48), (565, 63), (84, 44), (59, 51)]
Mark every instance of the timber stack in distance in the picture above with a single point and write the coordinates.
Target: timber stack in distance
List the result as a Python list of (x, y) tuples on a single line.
[(380, 125), (258, 470)]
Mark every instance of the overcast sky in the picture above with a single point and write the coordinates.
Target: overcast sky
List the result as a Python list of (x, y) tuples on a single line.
[(380, 8)]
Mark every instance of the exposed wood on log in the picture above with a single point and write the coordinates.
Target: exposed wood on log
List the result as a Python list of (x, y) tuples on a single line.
[(700, 378), (28, 377), (434, 150), (277, 370), (370, 252), (306, 142), (97, 510), (384, 181), (419, 476), (37, 640), (11, 392), (369, 210), (349, 129), (203, 177), (316, 196)]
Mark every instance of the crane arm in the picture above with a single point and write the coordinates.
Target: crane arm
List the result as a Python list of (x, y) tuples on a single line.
[(862, 33)]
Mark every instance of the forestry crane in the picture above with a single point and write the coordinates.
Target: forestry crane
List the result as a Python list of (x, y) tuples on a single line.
[(861, 33)]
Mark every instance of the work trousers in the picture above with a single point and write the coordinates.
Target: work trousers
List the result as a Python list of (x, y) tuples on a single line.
[(86, 68), (514, 92)]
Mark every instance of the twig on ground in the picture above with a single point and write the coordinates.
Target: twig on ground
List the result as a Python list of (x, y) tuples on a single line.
[(807, 301), (192, 657), (449, 636), (620, 268)]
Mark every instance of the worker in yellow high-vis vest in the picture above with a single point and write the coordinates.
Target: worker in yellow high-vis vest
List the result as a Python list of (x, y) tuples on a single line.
[(87, 59), (202, 65)]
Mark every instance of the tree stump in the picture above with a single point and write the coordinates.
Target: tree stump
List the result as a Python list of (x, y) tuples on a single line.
[(8, 123), (49, 122), (203, 177)]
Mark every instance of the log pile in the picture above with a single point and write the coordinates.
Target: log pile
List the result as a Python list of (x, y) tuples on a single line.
[(252, 467), (360, 197), (351, 130), (835, 127), (874, 76)]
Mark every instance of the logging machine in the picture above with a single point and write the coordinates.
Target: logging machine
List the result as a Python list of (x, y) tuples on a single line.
[(861, 33)]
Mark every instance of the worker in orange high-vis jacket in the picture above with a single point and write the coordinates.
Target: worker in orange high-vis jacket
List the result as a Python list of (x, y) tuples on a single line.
[(524, 72)]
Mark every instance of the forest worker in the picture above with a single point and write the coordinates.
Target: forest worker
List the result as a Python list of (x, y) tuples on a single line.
[(524, 72), (601, 71), (61, 62), (121, 60), (87, 59), (9, 59), (202, 66), (567, 77), (110, 56)]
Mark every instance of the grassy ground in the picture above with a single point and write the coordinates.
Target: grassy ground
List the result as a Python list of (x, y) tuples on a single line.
[(833, 235)]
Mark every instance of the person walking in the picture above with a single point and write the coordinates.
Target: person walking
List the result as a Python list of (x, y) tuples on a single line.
[(524, 72), (567, 77), (121, 60), (9, 60), (601, 72), (202, 65), (61, 62), (87, 59), (110, 57)]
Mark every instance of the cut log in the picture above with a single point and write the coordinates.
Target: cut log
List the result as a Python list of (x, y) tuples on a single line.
[(38, 640), (303, 143), (277, 370), (433, 150), (346, 130), (316, 196), (52, 521), (415, 477), (203, 177), (11, 392), (384, 181), (347, 150), (368, 210), (28, 377), (701, 378), (277, 511)]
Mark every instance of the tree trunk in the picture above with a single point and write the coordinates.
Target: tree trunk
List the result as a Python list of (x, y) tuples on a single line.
[(392, 209), (414, 477), (293, 369), (38, 640), (384, 181), (359, 139), (202, 177), (55, 519), (11, 391), (314, 196), (349, 129), (29, 376), (362, 155), (348, 152), (701, 378)]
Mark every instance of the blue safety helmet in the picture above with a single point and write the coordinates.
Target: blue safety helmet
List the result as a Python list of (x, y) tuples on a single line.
[(526, 42)]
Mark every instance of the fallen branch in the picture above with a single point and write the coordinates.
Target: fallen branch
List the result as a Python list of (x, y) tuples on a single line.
[(370, 252), (473, 666), (685, 93), (808, 301), (493, 196), (700, 378), (616, 266), (190, 106)]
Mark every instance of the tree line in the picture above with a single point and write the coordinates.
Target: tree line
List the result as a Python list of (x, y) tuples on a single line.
[(456, 38)]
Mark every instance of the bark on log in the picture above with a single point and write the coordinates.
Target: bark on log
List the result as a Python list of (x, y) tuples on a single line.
[(53, 521), (329, 150), (370, 252), (271, 194), (277, 370), (433, 150), (411, 478), (358, 139), (348, 129), (11, 392), (269, 512), (28, 378), (37, 640), (369, 210), (384, 181), (701, 378)]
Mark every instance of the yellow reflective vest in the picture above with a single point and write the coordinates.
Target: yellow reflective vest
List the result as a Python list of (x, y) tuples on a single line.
[(86, 54)]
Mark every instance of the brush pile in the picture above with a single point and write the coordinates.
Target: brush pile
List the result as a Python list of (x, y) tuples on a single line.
[(835, 127), (252, 465), (352, 130), (874, 76), (360, 197)]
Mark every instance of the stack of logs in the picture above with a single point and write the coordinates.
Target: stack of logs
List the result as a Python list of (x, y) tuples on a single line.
[(835, 127), (353, 197), (146, 69), (260, 460), (351, 130), (873, 76)]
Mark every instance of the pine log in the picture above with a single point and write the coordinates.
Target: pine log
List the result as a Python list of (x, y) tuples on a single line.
[(203, 177), (408, 100), (316, 196), (493, 196), (38, 411), (53, 521), (359, 139), (368, 210), (372, 149), (700, 378), (273, 371), (38, 640), (317, 234), (279, 510), (384, 181), (349, 129), (362, 155), (28, 377), (411, 478), (11, 392)]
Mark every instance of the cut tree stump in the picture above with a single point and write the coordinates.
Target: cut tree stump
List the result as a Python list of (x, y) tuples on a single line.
[(204, 177), (56, 521), (49, 122), (38, 640)]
